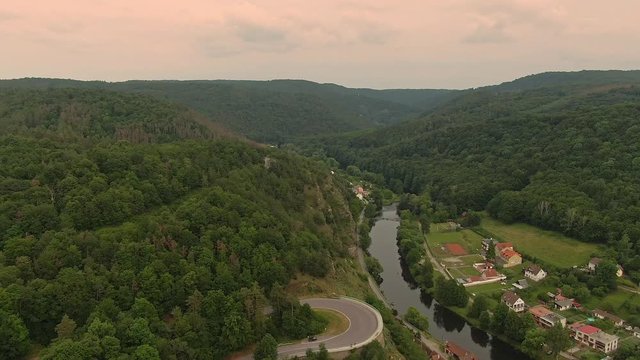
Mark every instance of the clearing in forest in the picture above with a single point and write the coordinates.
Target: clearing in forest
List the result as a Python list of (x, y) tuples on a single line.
[(548, 246)]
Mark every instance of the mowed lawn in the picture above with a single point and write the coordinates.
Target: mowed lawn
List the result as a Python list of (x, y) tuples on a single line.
[(439, 234), (549, 246)]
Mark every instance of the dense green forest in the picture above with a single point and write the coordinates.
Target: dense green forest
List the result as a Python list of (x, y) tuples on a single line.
[(130, 230), (563, 158), (275, 111)]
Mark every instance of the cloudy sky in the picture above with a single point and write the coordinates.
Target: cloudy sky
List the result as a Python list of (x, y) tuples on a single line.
[(372, 43)]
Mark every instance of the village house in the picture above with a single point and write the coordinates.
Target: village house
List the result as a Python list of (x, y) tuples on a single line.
[(595, 261), (457, 352), (535, 273), (601, 314), (513, 301), (563, 303), (594, 337), (546, 318), (506, 256), (636, 332)]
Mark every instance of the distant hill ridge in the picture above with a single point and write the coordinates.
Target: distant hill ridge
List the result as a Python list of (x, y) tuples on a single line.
[(274, 111)]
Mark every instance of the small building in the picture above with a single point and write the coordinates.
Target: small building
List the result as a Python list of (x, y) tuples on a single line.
[(489, 274), (535, 273), (521, 284), (594, 337), (513, 301), (509, 258), (562, 303), (457, 352), (593, 263), (636, 332), (601, 314), (546, 318)]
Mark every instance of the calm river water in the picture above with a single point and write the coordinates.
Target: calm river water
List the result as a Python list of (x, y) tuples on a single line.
[(443, 323)]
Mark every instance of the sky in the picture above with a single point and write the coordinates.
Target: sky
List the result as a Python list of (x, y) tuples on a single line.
[(373, 43)]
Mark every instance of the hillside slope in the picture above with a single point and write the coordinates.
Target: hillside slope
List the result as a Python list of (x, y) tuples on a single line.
[(166, 245)]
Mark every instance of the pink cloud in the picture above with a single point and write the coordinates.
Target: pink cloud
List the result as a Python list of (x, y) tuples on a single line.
[(414, 43)]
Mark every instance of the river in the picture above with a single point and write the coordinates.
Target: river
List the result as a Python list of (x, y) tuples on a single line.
[(444, 324)]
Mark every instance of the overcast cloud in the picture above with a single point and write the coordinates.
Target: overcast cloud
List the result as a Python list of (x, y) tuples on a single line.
[(374, 43)]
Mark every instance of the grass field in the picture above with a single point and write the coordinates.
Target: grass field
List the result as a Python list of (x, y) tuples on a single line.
[(338, 323), (616, 301), (439, 234), (549, 246)]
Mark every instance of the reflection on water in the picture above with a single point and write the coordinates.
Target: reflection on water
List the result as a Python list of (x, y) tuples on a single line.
[(444, 323)]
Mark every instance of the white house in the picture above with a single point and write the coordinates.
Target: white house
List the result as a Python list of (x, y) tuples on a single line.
[(513, 301), (594, 262), (535, 273)]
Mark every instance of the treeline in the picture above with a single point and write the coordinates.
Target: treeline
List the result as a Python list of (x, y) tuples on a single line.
[(564, 159), (411, 246), (110, 249), (402, 337)]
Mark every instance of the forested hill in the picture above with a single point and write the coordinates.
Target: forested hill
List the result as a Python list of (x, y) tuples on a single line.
[(74, 114), (563, 160), (152, 247), (560, 79), (275, 111)]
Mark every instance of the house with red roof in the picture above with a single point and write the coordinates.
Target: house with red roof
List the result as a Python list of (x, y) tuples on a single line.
[(594, 337), (506, 255), (457, 352)]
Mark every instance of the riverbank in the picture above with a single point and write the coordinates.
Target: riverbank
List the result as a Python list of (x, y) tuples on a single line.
[(430, 344), (445, 324)]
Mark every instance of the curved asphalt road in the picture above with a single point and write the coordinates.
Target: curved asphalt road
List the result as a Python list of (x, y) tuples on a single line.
[(365, 325)]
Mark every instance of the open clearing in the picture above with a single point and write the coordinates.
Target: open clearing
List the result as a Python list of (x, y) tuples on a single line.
[(549, 246), (440, 234)]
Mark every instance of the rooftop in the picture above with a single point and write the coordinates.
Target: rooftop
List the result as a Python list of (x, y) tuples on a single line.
[(534, 269), (595, 261), (507, 253), (460, 352), (604, 337), (510, 297), (607, 315), (540, 311), (588, 329), (564, 303)]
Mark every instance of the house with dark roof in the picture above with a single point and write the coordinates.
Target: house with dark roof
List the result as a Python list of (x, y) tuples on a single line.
[(601, 314), (561, 303), (513, 301), (595, 261), (535, 273)]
